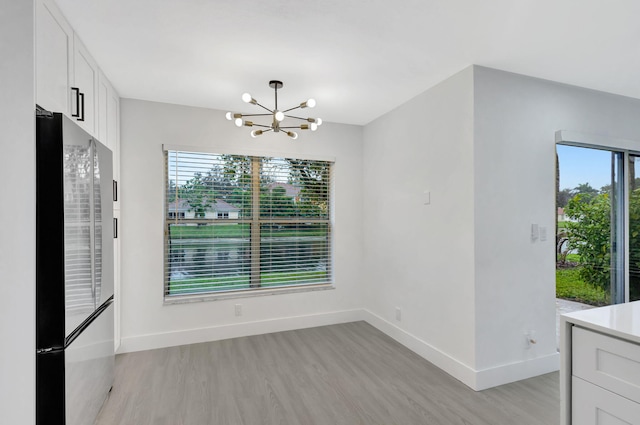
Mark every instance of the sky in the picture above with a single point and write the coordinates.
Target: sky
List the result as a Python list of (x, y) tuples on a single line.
[(583, 165)]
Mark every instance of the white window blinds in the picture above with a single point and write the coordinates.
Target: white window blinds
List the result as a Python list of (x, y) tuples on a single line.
[(242, 223)]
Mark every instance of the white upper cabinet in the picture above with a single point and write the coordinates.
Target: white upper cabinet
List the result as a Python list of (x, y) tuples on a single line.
[(68, 79), (54, 53), (108, 120), (113, 134), (84, 88), (103, 97)]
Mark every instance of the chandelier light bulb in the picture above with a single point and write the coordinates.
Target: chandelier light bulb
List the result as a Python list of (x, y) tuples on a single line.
[(292, 134), (279, 115), (319, 121), (311, 103), (313, 126), (246, 98), (256, 133), (229, 116), (238, 122)]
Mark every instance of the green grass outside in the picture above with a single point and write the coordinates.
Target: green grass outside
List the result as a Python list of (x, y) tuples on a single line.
[(239, 231), (570, 286), (573, 258), (213, 231), (186, 286)]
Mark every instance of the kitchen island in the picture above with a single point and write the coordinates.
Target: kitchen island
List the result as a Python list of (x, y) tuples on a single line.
[(600, 366)]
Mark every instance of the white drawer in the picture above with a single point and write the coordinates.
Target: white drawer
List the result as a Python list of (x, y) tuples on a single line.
[(609, 362), (592, 405)]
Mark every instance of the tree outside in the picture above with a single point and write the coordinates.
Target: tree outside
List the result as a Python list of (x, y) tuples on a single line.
[(587, 241), (583, 246)]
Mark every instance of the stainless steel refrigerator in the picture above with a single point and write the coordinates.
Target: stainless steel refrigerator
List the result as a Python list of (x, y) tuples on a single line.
[(74, 272)]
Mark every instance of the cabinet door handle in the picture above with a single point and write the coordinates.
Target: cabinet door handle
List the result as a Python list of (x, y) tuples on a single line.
[(115, 191), (81, 118), (77, 91), (115, 228)]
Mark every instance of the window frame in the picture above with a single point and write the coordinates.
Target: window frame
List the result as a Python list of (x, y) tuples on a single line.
[(256, 221)]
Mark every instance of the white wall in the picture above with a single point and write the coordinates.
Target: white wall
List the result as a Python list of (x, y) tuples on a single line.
[(419, 257), (464, 270), (146, 322), (516, 118), (17, 234)]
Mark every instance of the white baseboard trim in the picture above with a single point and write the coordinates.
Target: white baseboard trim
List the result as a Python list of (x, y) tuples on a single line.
[(235, 330), (476, 379), (453, 367), (505, 374)]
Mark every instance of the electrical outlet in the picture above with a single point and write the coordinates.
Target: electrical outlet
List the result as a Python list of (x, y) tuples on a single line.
[(238, 309), (398, 314), (530, 338)]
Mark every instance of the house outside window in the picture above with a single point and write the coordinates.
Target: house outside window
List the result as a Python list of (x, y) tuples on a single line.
[(245, 224)]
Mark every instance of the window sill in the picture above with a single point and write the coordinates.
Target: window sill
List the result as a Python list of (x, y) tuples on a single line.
[(183, 299)]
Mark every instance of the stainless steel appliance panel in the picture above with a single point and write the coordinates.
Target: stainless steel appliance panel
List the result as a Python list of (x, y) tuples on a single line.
[(88, 224), (89, 364)]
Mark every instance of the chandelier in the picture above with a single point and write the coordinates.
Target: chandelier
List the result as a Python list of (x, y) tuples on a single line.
[(277, 115)]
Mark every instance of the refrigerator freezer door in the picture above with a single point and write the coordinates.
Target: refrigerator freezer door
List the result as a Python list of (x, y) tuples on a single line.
[(89, 363), (50, 387)]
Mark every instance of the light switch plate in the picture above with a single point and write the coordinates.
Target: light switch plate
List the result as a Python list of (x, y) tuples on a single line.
[(534, 232), (543, 233)]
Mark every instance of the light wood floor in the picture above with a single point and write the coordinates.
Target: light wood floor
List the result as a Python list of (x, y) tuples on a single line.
[(342, 374)]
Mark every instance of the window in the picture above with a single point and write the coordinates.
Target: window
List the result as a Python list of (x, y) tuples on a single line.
[(276, 230)]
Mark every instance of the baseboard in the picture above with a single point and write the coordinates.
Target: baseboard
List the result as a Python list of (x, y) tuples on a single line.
[(235, 330), (453, 367), (476, 379), (505, 374)]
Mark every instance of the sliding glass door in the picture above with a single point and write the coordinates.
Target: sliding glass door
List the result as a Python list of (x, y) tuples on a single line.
[(634, 227), (598, 225), (598, 231)]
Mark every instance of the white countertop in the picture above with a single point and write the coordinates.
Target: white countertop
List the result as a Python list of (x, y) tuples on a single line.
[(621, 320)]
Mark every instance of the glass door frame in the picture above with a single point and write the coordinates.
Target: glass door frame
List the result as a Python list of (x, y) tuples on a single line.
[(625, 149)]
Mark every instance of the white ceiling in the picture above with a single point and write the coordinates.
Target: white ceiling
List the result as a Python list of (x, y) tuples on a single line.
[(357, 58)]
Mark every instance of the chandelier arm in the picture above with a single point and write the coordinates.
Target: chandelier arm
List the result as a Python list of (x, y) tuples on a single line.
[(291, 109), (264, 107), (256, 115), (262, 125), (298, 118)]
